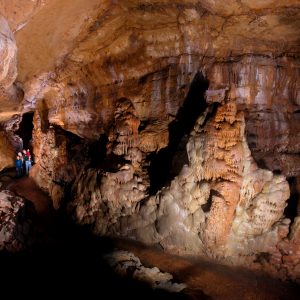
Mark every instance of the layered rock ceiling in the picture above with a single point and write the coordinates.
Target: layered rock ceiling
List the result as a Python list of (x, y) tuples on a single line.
[(171, 122)]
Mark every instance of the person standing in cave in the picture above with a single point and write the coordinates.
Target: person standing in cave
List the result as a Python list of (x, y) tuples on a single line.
[(19, 166), (20, 154), (24, 160), (28, 153), (27, 164)]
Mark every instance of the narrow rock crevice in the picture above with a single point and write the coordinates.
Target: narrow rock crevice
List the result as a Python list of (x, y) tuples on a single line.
[(25, 131)]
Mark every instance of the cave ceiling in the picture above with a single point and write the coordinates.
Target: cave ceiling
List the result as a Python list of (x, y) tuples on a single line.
[(51, 33)]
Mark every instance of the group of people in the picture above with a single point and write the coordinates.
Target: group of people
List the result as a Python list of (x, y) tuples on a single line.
[(23, 162)]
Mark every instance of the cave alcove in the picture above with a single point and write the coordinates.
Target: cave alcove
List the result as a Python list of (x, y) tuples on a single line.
[(100, 159), (291, 210), (168, 162)]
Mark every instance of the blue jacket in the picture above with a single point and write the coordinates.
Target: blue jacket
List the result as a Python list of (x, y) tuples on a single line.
[(18, 163)]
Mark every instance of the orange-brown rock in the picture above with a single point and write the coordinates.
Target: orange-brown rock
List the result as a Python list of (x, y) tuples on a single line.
[(8, 72), (6, 152), (8, 52), (19, 12), (108, 84)]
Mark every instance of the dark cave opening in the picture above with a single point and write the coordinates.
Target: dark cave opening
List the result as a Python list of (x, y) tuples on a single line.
[(97, 151), (291, 211), (167, 163), (25, 131), (99, 159), (75, 144)]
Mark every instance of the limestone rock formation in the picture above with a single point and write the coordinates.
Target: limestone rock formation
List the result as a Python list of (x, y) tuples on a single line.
[(6, 152), (13, 226), (18, 12), (9, 96), (125, 263), (171, 122), (8, 51), (286, 255)]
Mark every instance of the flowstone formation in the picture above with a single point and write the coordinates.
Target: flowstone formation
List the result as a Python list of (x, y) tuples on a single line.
[(174, 123), (127, 264)]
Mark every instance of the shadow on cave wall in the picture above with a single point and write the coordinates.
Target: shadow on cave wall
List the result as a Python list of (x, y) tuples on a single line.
[(97, 152), (71, 262), (291, 211), (168, 162)]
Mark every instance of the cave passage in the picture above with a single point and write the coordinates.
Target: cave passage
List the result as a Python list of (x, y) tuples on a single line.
[(168, 162), (25, 130)]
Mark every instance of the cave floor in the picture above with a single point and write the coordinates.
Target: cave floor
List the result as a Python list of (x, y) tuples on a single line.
[(70, 260)]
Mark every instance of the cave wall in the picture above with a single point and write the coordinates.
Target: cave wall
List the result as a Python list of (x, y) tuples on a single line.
[(120, 79), (222, 203), (9, 97)]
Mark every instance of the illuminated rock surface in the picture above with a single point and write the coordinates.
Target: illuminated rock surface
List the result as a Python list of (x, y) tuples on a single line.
[(170, 122)]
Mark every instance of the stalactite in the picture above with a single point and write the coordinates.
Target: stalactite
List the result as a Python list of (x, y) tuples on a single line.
[(134, 124), (124, 144)]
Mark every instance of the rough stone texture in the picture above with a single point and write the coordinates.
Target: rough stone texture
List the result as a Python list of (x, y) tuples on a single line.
[(10, 143), (13, 227), (286, 256), (19, 12), (56, 162), (125, 263), (8, 52), (143, 30), (107, 87), (6, 152), (9, 98)]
